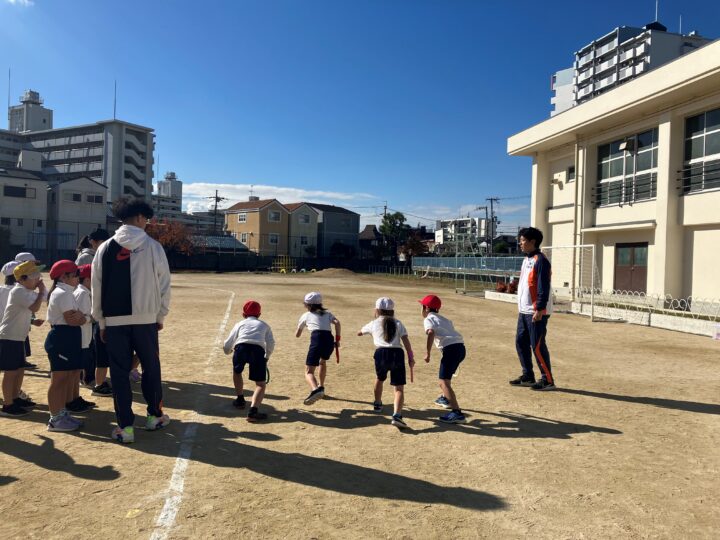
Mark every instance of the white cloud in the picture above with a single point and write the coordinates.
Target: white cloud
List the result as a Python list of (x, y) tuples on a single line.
[(24, 3), (195, 195)]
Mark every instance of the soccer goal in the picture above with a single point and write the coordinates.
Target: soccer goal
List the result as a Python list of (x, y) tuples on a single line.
[(575, 278)]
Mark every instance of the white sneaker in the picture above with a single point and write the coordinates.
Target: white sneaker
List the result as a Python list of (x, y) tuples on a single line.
[(124, 435), (156, 422)]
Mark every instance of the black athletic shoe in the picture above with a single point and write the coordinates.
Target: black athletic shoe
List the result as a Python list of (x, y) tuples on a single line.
[(542, 384), (89, 404), (77, 405), (397, 421), (523, 380), (377, 406), (102, 390), (29, 365), (239, 402), (25, 403), (13, 410), (255, 416), (315, 395)]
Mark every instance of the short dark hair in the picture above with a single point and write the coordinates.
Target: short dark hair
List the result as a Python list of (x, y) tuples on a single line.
[(126, 208), (531, 233), (99, 235)]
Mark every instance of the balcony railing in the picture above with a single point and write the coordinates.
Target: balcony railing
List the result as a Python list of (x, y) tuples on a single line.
[(700, 177), (626, 190)]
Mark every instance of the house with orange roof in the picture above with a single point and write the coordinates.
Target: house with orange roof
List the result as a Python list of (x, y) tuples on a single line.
[(261, 225)]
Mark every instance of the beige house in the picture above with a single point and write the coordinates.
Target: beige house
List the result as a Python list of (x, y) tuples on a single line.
[(302, 232), (636, 172), (261, 225)]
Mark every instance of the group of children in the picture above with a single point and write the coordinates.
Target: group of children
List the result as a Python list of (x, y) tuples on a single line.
[(251, 342)]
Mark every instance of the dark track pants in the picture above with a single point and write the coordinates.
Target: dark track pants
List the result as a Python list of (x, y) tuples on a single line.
[(529, 340), (122, 341)]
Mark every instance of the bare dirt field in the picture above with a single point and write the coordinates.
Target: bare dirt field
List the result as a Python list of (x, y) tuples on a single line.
[(627, 447)]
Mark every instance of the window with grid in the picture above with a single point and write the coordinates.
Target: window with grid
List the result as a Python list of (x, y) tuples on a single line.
[(304, 219), (627, 169), (274, 215), (274, 239), (71, 196), (244, 237), (701, 169), (242, 217), (95, 199)]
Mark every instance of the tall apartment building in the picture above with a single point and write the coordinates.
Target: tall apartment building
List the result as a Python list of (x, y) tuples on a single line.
[(167, 202), (616, 58), (465, 232), (116, 154)]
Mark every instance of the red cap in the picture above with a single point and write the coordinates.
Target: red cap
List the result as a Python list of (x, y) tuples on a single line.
[(251, 309), (62, 267), (85, 271), (431, 301)]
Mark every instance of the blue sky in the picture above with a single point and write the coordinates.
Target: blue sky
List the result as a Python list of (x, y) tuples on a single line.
[(354, 103)]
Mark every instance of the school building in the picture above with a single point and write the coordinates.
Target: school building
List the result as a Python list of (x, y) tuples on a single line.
[(635, 171)]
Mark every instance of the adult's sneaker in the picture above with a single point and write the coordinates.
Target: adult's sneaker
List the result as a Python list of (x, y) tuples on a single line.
[(26, 403), (79, 405), (239, 402), (135, 376), (454, 418), (397, 421), (255, 416), (315, 395), (156, 422), (443, 402), (62, 422), (523, 380), (124, 435), (543, 384), (102, 390), (377, 406), (13, 410), (29, 365)]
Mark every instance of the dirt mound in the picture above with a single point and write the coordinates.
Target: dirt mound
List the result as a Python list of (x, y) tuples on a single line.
[(335, 272)]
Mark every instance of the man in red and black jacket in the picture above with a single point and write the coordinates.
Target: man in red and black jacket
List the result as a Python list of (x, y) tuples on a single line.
[(535, 307)]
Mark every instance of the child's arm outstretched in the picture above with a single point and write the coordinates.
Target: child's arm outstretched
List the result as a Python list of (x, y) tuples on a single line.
[(408, 348), (367, 329), (430, 338)]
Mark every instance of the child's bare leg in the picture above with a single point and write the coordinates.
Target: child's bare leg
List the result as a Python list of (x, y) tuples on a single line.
[(310, 377), (449, 393), (18, 383), (399, 398), (259, 393), (8, 387), (57, 392), (238, 382), (323, 372), (378, 390), (77, 377), (100, 375)]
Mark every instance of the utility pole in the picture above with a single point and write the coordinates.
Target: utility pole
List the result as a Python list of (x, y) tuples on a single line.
[(493, 220), (487, 229), (216, 199)]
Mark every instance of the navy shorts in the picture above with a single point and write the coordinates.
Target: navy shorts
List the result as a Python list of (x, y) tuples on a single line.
[(452, 355), (322, 345), (254, 355), (64, 348), (101, 356), (88, 361), (12, 354), (28, 351), (390, 359)]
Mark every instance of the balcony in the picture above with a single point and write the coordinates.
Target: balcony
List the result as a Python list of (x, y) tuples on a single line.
[(132, 139), (700, 177), (611, 62), (136, 157), (584, 76), (134, 171), (586, 58), (582, 92), (607, 81)]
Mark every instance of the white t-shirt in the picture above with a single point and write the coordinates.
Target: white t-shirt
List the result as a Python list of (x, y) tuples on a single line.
[(376, 329), (4, 295), (82, 296), (61, 301), (15, 324), (445, 333), (251, 330), (316, 321)]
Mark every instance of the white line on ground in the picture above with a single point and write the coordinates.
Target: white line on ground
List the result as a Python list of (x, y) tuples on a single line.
[(173, 499)]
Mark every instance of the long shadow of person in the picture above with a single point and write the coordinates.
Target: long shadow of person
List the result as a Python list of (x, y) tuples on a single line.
[(215, 445), (5, 480), (48, 457), (689, 406)]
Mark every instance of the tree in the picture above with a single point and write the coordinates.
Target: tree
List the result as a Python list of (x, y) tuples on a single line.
[(414, 246), (173, 236), (394, 230)]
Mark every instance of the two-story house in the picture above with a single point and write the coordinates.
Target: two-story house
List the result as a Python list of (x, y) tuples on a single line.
[(302, 230), (261, 225)]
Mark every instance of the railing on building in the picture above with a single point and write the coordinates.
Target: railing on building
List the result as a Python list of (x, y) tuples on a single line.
[(700, 177), (630, 189)]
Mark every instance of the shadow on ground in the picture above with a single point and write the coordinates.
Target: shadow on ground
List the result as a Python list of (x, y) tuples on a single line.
[(675, 404)]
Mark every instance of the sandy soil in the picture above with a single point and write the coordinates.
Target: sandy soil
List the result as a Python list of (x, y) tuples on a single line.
[(627, 448)]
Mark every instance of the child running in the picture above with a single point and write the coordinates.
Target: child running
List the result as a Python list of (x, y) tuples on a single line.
[(22, 303), (252, 342), (441, 330), (64, 347), (318, 321), (388, 333)]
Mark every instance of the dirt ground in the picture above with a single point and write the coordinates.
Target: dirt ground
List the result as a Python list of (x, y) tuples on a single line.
[(628, 447)]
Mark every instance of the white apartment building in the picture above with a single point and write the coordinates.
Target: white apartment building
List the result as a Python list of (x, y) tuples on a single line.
[(114, 153), (636, 172), (23, 204), (617, 57)]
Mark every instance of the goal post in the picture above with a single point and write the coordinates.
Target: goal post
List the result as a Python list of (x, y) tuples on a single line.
[(575, 277)]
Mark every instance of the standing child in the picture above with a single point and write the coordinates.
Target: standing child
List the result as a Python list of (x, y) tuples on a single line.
[(441, 330), (253, 343), (29, 257), (84, 302), (64, 345), (318, 321), (22, 303), (388, 333)]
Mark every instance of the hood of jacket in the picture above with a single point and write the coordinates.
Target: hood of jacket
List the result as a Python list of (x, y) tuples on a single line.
[(130, 237), (87, 251)]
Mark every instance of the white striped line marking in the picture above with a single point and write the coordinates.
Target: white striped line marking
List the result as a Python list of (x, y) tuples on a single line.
[(169, 512)]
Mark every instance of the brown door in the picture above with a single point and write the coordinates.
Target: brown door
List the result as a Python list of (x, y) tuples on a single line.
[(631, 267)]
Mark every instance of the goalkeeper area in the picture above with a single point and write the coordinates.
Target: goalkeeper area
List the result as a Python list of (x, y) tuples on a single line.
[(627, 446)]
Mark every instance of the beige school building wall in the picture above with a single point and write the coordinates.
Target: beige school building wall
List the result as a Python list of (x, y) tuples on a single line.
[(573, 204)]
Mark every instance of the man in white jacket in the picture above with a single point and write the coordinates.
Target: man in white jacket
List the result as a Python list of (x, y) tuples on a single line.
[(130, 299)]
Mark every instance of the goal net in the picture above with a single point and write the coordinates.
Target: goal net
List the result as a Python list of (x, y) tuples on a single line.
[(575, 278)]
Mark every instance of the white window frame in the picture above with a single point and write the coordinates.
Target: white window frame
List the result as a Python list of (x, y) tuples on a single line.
[(244, 237), (242, 217), (275, 237), (304, 219), (274, 212)]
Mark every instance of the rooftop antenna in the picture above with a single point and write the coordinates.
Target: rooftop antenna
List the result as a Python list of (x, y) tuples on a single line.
[(251, 190), (680, 29), (115, 102), (9, 69), (657, 2)]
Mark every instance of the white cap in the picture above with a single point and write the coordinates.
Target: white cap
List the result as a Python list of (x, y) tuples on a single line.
[(385, 303), (8, 268), (25, 256), (313, 298)]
